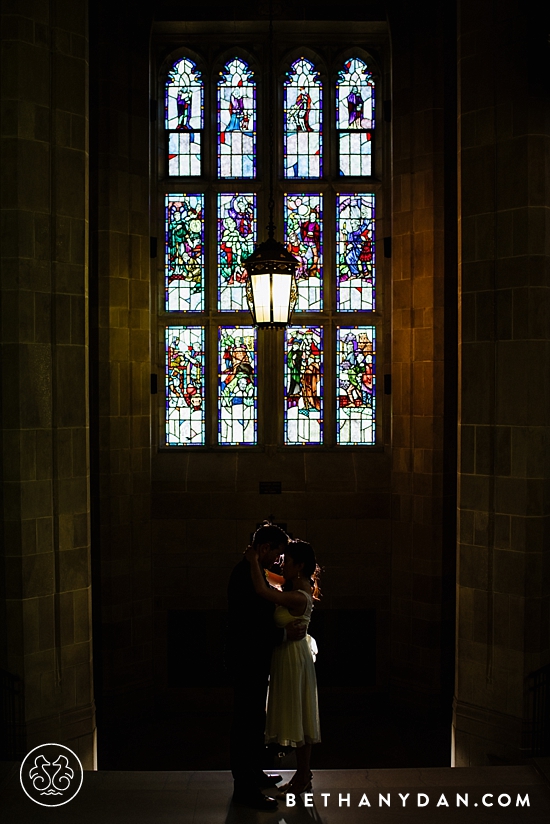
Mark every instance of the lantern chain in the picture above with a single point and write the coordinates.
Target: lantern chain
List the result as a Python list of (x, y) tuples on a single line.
[(271, 80)]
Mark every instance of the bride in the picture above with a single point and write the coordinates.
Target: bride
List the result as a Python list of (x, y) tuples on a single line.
[(292, 710)]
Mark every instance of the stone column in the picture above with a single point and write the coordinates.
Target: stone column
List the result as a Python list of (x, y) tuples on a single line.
[(423, 341), (504, 199), (120, 318), (44, 356)]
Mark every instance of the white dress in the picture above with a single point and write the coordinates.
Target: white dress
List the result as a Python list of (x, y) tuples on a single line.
[(292, 710)]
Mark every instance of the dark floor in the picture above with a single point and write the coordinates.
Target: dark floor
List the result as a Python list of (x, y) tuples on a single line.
[(488, 795), (359, 730), (380, 735)]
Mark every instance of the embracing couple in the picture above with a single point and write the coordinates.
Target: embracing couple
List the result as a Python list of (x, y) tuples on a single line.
[(268, 619)]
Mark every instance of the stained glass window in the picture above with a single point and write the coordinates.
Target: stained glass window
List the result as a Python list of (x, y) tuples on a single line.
[(184, 117), (201, 248), (355, 118), (355, 263), (185, 398), (184, 256), (236, 121), (355, 390), (303, 121), (236, 239), (303, 385), (237, 386), (304, 240)]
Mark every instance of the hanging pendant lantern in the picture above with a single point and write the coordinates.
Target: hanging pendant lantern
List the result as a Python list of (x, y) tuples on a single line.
[(271, 284)]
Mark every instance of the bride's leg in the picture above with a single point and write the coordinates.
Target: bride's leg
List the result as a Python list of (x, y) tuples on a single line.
[(303, 757), (301, 780)]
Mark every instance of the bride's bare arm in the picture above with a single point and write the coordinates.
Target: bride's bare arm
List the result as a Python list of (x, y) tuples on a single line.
[(292, 600), (274, 579)]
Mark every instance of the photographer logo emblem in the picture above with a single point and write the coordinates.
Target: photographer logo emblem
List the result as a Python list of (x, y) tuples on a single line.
[(51, 775)]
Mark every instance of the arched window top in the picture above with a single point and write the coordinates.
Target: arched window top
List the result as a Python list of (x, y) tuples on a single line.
[(355, 96), (237, 120), (302, 73), (184, 97), (303, 92), (236, 72), (355, 118)]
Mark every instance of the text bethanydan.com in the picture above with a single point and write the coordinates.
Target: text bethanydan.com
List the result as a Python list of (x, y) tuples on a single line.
[(410, 800)]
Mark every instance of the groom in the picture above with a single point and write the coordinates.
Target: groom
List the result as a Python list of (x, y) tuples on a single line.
[(252, 636)]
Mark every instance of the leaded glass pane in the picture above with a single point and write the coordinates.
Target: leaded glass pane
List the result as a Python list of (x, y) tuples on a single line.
[(184, 116), (184, 256), (303, 121), (355, 118), (355, 252), (304, 240), (355, 386), (303, 385), (236, 121), (237, 386), (355, 153), (236, 239), (184, 154), (185, 396)]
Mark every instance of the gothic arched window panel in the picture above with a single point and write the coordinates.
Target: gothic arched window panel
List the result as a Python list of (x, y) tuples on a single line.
[(237, 386), (303, 385), (184, 253), (184, 118), (236, 240), (355, 252), (236, 121), (304, 240), (355, 386), (355, 118), (185, 395), (303, 121)]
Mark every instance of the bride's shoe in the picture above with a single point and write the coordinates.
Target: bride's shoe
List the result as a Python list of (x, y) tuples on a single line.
[(294, 788)]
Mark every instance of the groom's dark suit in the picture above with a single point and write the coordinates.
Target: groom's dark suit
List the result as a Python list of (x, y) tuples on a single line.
[(251, 638)]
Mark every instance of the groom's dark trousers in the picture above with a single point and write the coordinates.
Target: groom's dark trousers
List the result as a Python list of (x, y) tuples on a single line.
[(251, 638)]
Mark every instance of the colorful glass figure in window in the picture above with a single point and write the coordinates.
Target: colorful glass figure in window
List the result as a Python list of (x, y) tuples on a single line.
[(184, 118), (355, 252), (236, 121), (303, 121), (355, 118), (303, 385), (356, 398), (236, 239), (237, 386), (184, 259), (185, 414), (304, 240)]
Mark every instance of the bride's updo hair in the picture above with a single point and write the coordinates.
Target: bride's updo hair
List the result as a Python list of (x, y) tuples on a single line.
[(302, 553)]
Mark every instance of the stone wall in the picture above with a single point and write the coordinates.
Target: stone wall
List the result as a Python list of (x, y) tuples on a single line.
[(45, 468), (504, 199), (204, 515)]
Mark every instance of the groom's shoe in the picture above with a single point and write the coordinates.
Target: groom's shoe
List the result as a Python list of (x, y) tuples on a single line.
[(269, 780), (255, 800)]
